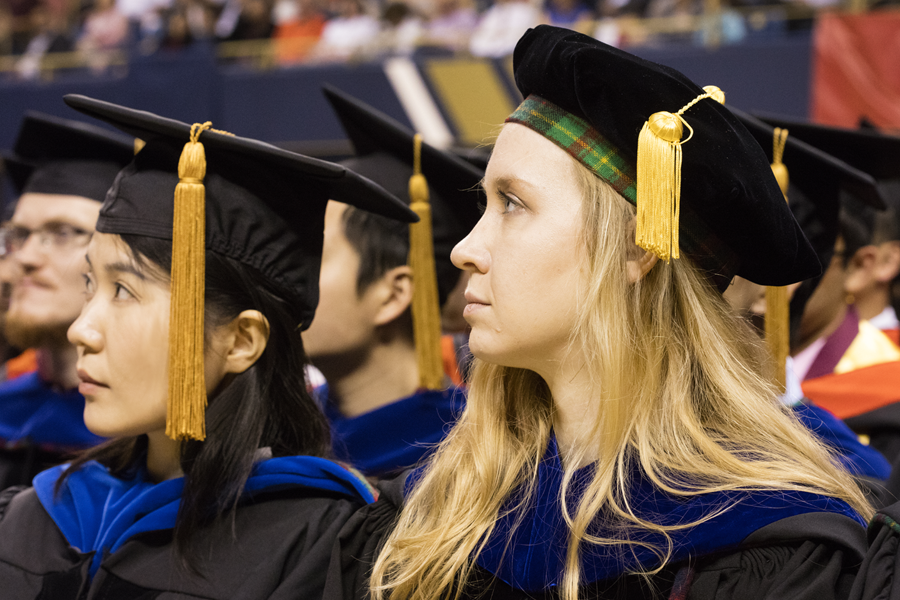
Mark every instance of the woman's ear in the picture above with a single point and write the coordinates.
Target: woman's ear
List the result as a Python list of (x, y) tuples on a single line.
[(639, 266), (248, 335)]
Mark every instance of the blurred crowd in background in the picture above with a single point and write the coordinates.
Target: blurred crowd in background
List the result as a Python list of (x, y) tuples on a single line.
[(306, 31)]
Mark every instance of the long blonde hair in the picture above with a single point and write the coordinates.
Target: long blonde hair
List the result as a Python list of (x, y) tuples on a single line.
[(686, 397)]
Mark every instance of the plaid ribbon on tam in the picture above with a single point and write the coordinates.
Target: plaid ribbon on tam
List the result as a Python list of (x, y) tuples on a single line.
[(577, 137), (590, 148)]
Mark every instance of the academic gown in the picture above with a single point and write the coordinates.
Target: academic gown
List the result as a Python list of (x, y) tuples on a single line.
[(103, 537), (39, 427), (396, 436), (879, 575), (855, 376), (770, 545)]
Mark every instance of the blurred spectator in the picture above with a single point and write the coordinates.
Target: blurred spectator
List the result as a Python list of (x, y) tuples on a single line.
[(20, 30), (52, 35), (501, 27), (572, 14), (401, 29), (299, 27), (6, 30), (105, 30), (245, 20), (135, 10), (177, 32), (348, 33), (452, 24), (673, 8)]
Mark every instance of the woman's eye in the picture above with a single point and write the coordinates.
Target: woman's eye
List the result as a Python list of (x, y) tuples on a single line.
[(88, 284), (122, 292), (510, 203)]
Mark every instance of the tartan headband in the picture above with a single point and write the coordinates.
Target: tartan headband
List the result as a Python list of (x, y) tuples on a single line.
[(589, 147), (580, 139)]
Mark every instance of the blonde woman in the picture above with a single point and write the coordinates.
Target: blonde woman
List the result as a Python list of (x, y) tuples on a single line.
[(621, 438)]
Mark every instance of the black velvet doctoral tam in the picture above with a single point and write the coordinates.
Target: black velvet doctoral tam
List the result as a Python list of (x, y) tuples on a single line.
[(734, 220)]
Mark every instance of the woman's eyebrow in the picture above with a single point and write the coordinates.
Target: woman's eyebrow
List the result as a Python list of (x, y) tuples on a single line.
[(507, 180), (121, 267)]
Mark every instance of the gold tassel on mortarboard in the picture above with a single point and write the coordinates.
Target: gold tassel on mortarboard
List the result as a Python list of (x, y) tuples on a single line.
[(426, 311), (778, 316), (186, 412), (659, 178)]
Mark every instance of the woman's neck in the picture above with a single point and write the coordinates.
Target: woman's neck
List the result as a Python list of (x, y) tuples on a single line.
[(576, 406), (163, 457)]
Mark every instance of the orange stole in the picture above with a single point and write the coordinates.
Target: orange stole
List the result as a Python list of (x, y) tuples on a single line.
[(448, 358), (856, 392), (21, 364), (893, 335)]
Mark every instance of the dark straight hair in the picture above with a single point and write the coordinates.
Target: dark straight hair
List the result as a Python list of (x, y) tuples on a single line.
[(266, 406)]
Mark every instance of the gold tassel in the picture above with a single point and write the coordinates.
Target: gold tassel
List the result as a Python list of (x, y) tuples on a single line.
[(778, 167), (186, 411), (426, 311), (778, 314), (139, 145), (659, 178)]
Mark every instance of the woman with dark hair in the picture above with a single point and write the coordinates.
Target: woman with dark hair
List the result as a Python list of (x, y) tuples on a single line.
[(237, 501)]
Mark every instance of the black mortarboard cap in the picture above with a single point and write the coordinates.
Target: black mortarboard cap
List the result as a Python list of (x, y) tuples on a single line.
[(241, 198), (877, 154), (734, 220), (384, 153), (265, 205), (60, 156)]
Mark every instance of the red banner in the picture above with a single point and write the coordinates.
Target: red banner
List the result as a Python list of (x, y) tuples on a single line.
[(856, 70)]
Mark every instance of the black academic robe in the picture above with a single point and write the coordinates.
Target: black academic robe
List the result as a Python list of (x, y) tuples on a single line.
[(878, 576), (812, 556), (279, 547)]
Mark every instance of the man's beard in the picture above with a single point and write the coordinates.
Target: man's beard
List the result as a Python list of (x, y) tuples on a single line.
[(23, 332)]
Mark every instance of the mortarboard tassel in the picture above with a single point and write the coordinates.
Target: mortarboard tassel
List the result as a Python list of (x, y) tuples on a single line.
[(777, 322), (659, 178), (426, 312), (186, 412)]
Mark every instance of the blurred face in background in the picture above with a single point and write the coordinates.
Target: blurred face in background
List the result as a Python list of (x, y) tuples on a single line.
[(45, 243)]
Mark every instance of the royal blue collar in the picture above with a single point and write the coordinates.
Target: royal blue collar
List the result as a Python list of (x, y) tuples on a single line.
[(98, 512), (858, 459), (395, 436), (536, 550), (36, 414)]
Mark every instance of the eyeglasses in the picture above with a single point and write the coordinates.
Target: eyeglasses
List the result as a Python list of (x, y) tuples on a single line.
[(56, 236)]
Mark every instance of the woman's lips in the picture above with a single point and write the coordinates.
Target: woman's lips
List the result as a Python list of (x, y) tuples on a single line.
[(474, 303), (89, 385)]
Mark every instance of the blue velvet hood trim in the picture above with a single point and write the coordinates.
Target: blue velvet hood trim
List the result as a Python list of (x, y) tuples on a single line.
[(98, 512), (395, 436), (531, 557), (44, 417), (856, 457)]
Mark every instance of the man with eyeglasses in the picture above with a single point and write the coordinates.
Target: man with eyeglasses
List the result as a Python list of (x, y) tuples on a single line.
[(62, 170)]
